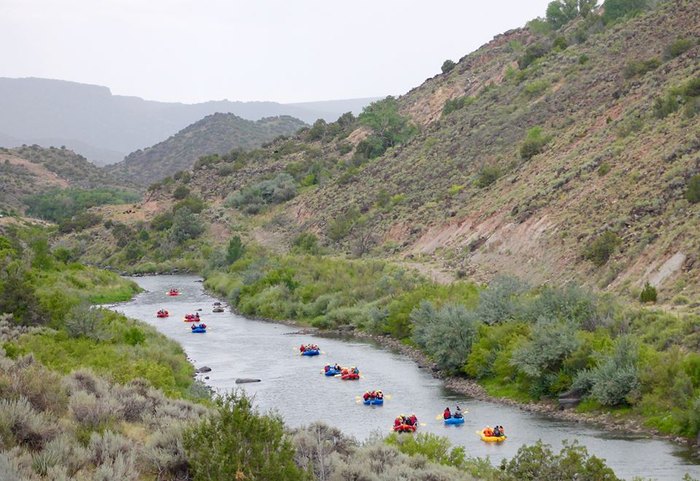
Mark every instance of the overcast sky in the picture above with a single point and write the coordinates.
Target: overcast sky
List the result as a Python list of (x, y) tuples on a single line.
[(281, 50)]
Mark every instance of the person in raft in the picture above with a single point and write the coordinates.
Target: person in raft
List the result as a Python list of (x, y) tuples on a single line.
[(447, 414), (380, 395), (458, 413)]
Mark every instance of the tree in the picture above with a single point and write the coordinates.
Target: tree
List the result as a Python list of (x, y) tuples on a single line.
[(235, 442), (390, 128), (185, 226), (615, 9), (448, 65), (561, 12), (235, 249)]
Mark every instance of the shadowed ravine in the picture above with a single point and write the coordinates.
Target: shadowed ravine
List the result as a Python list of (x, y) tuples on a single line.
[(236, 347)]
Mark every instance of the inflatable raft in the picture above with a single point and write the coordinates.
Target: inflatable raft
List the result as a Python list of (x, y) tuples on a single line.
[(331, 371), (405, 428), (191, 318), (198, 329), (162, 314), (311, 352), (173, 292), (491, 439), (349, 376), (373, 402), (454, 420)]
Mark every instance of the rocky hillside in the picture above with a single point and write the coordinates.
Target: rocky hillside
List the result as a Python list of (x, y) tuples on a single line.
[(214, 134), (29, 170), (551, 155)]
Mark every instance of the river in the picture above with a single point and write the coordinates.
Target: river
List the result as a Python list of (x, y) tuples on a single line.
[(292, 385)]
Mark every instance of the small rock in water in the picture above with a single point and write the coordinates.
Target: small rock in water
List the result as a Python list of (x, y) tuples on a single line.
[(243, 380), (206, 377), (204, 369)]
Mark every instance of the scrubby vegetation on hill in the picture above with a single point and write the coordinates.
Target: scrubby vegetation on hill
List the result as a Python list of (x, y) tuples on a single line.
[(214, 134), (33, 175)]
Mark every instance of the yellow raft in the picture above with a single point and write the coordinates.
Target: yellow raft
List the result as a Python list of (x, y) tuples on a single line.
[(491, 439)]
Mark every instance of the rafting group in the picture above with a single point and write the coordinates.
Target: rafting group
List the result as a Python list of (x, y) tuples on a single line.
[(405, 424), (309, 350), (197, 325), (373, 398), (455, 417)]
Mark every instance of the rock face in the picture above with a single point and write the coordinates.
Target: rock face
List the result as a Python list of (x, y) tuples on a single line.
[(243, 380)]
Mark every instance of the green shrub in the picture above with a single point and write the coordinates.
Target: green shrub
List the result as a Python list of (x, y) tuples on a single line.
[(636, 68), (648, 293), (456, 104), (437, 449), (254, 198), (679, 47), (532, 53), (692, 193), (341, 226), (551, 342), (572, 463), (389, 128), (185, 226), (536, 88), (560, 43), (533, 144), (447, 66), (601, 248), (235, 442), (181, 192), (306, 242), (447, 334), (583, 59)]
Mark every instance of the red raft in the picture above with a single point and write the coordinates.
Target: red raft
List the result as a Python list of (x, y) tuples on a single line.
[(351, 374), (191, 318), (173, 292), (405, 428), (162, 313)]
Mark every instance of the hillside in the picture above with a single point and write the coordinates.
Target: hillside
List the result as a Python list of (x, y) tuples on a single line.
[(104, 127), (550, 156), (30, 170), (214, 134)]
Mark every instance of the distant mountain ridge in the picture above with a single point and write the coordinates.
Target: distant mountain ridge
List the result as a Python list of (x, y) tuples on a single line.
[(218, 133), (105, 127)]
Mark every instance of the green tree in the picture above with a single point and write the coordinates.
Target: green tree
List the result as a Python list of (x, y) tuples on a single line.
[(447, 66), (185, 226), (561, 12), (235, 442), (387, 124), (235, 249), (648, 293), (615, 9)]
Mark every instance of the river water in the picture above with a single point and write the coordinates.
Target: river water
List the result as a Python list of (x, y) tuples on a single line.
[(293, 386)]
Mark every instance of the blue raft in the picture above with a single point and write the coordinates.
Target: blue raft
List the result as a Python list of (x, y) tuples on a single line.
[(332, 372), (373, 402), (311, 352), (454, 420), (199, 329)]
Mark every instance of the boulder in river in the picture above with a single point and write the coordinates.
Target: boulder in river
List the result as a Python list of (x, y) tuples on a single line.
[(243, 380), (204, 369)]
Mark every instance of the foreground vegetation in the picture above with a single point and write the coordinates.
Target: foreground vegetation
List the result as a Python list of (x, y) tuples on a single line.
[(519, 341)]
